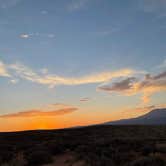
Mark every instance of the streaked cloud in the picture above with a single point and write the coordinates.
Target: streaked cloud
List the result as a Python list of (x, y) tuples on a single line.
[(14, 81), (5, 4), (75, 5), (3, 70), (36, 34), (44, 12), (85, 99), (20, 71), (163, 65), (47, 111), (125, 81), (107, 31), (44, 71), (152, 5), (147, 86)]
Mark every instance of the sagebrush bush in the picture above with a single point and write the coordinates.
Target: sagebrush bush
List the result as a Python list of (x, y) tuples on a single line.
[(39, 157), (6, 156), (148, 161)]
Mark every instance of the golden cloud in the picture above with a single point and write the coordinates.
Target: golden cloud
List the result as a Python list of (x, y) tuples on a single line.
[(52, 80)]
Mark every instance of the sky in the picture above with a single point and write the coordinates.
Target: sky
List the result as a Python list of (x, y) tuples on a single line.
[(68, 63)]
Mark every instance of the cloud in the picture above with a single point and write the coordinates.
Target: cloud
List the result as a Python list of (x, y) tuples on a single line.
[(131, 85), (5, 4), (21, 71), (107, 31), (84, 99), (152, 5), (124, 84), (125, 81), (45, 35), (14, 81), (44, 71), (44, 12), (77, 5), (24, 36), (47, 111), (163, 65), (3, 70)]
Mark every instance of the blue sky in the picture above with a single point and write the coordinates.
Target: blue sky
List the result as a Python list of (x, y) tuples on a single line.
[(74, 39)]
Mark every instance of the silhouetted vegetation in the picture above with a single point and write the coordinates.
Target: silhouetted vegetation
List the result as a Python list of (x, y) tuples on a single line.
[(39, 157), (96, 145)]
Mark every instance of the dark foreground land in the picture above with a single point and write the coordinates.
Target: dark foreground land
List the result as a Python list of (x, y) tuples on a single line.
[(89, 146)]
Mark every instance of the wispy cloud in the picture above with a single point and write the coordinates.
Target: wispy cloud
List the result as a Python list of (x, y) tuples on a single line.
[(47, 111), (149, 85), (85, 99), (21, 71), (30, 35), (25, 36), (75, 5), (14, 81), (44, 12), (125, 81), (107, 32), (152, 5), (5, 4), (3, 70), (163, 65)]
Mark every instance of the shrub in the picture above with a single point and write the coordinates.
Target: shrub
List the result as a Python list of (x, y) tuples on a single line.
[(55, 148), (38, 158), (5, 156), (148, 149), (148, 161)]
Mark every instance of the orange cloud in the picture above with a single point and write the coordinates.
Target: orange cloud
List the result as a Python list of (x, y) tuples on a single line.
[(49, 111)]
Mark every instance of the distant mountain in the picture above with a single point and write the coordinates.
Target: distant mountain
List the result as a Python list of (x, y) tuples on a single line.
[(155, 117)]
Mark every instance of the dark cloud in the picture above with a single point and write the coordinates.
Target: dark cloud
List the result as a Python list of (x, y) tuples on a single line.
[(160, 76), (158, 80), (131, 85), (122, 85)]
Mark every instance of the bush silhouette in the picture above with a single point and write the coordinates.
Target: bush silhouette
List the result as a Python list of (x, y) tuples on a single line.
[(39, 157), (148, 161)]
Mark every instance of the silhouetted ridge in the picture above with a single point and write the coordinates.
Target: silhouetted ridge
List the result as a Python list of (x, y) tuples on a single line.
[(155, 117)]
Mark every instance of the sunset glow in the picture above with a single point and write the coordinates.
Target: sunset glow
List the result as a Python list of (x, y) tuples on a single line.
[(67, 63)]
